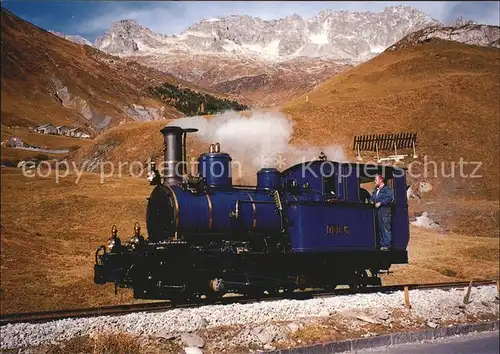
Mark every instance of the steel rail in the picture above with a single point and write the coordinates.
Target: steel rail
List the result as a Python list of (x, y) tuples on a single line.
[(46, 316)]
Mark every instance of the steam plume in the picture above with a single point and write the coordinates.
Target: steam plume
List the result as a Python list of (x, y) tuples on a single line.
[(260, 140)]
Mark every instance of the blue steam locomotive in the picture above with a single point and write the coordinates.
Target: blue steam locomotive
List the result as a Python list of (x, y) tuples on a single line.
[(309, 226)]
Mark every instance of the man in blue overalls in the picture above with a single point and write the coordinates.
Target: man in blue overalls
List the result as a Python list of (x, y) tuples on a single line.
[(382, 197)]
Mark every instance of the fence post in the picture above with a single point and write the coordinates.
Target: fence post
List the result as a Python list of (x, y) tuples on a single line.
[(467, 294), (407, 298)]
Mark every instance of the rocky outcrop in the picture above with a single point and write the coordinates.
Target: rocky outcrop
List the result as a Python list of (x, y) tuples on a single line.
[(73, 38), (145, 114), (468, 33), (98, 119), (78, 104)]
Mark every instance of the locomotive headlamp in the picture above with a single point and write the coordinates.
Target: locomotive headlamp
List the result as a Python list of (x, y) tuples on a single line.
[(111, 244), (114, 231), (137, 229), (137, 238), (111, 241), (114, 241)]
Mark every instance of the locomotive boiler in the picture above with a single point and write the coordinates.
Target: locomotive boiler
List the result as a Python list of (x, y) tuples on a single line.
[(307, 226)]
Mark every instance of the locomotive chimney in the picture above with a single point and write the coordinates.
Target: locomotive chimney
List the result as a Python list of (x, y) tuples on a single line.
[(174, 153)]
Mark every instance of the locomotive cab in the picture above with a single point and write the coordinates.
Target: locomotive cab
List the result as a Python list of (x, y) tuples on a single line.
[(336, 202)]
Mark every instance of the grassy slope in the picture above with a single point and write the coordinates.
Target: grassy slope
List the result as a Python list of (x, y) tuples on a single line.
[(32, 58), (447, 92), (49, 234)]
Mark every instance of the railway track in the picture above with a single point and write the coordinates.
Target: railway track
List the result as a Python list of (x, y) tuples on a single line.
[(39, 317)]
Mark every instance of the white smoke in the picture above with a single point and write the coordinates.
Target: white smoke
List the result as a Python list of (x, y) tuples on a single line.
[(260, 140)]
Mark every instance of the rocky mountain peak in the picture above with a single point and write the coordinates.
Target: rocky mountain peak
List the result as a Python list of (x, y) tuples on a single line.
[(340, 35), (402, 9), (399, 8), (126, 23), (295, 17), (128, 37), (128, 27)]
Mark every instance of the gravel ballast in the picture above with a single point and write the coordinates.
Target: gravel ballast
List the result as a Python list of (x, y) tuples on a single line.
[(434, 306)]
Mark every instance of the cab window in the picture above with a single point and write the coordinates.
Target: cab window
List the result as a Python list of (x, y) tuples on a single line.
[(365, 192), (329, 187)]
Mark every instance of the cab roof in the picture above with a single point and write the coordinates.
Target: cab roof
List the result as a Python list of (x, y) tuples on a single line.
[(366, 172)]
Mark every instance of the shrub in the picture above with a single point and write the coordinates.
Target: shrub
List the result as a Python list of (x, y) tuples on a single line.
[(192, 103)]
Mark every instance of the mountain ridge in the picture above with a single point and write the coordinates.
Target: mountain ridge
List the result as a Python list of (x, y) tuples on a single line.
[(266, 61), (339, 35)]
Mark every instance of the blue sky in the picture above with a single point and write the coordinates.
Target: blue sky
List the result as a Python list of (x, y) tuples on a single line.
[(92, 18)]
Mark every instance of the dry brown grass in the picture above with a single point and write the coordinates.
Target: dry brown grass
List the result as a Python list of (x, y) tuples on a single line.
[(101, 344), (13, 154), (461, 215), (447, 92), (111, 343), (440, 257), (140, 141), (49, 233)]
